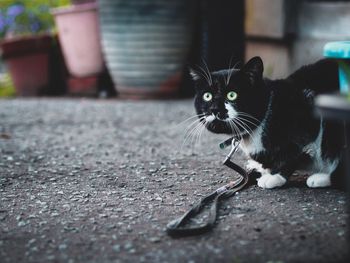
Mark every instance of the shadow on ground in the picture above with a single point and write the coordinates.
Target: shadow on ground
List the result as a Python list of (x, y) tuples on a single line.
[(97, 181)]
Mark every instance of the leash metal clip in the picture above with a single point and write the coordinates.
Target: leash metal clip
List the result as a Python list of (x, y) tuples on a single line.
[(234, 147)]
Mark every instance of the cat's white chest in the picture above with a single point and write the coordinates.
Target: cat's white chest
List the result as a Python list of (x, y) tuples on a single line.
[(253, 144)]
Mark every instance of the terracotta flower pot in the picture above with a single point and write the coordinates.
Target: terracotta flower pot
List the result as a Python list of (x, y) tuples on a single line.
[(27, 59), (79, 37)]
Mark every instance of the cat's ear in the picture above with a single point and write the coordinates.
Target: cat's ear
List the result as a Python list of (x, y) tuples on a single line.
[(194, 74), (254, 69)]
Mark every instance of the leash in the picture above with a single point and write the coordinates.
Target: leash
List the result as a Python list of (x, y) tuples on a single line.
[(178, 228)]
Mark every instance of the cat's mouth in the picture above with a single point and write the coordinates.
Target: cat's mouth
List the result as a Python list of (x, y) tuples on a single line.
[(217, 117), (219, 124)]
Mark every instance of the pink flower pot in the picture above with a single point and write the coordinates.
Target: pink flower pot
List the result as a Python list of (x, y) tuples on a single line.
[(27, 59), (79, 37), (82, 86)]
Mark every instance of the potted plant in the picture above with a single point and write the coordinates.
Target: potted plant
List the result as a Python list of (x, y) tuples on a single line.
[(79, 37), (26, 39), (6, 86)]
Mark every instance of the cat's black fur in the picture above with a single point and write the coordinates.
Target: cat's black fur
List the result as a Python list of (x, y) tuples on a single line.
[(284, 106)]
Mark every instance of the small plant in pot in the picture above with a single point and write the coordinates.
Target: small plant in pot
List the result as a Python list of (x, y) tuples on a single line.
[(25, 40)]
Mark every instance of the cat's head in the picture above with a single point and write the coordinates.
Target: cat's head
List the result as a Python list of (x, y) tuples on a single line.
[(230, 101)]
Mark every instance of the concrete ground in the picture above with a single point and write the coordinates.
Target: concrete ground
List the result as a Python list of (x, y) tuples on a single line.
[(97, 181)]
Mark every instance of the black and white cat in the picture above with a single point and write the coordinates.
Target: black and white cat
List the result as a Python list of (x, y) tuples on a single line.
[(275, 119)]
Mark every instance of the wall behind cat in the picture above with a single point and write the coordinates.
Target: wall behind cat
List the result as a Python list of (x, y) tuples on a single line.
[(289, 34), (318, 24)]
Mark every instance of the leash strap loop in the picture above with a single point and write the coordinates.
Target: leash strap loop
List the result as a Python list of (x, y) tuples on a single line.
[(178, 228)]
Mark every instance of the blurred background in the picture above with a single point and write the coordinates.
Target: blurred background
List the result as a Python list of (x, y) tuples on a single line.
[(142, 49)]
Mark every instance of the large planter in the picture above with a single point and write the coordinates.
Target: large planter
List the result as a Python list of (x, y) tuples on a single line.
[(79, 36), (27, 59), (146, 44)]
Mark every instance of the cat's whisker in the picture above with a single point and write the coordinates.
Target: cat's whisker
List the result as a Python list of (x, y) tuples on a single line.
[(248, 121), (190, 118), (202, 72), (193, 116), (244, 128), (233, 130), (238, 133), (208, 71), (236, 65), (254, 123), (231, 71), (197, 133), (200, 131), (229, 125), (194, 135), (187, 138), (205, 125), (236, 129), (191, 127), (193, 123), (244, 124), (246, 132), (228, 72), (245, 113), (205, 75), (248, 115), (189, 132)]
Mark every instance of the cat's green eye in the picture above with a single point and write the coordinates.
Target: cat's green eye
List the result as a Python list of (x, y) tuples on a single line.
[(207, 96), (231, 96)]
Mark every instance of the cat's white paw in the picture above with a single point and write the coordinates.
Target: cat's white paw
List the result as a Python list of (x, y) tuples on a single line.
[(319, 180), (269, 181), (254, 165)]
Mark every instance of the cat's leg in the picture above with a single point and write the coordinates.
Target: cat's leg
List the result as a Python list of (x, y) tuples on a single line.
[(283, 164), (254, 169), (266, 179), (323, 178), (328, 162), (319, 180), (269, 181), (253, 165)]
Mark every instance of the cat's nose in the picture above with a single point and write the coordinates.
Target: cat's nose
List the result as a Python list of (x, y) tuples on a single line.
[(215, 111), (219, 114)]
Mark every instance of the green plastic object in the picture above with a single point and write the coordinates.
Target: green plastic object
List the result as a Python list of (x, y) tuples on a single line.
[(340, 51)]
